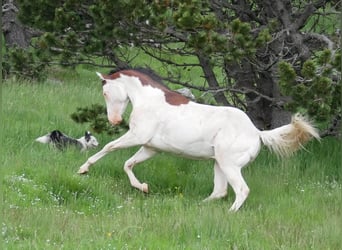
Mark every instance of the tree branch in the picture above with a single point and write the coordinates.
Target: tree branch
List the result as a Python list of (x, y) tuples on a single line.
[(320, 37), (306, 13), (174, 33), (169, 62), (82, 63)]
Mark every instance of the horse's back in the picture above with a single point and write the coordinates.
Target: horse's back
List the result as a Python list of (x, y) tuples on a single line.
[(226, 118)]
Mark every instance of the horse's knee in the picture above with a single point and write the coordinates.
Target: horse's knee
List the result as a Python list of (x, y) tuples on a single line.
[(128, 166), (244, 194), (246, 191)]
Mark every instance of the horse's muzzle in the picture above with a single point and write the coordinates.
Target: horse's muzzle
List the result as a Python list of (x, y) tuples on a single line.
[(115, 121)]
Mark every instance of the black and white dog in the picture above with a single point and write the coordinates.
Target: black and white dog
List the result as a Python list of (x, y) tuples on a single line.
[(61, 141)]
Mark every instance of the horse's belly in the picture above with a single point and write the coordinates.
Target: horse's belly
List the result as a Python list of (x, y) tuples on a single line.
[(196, 149)]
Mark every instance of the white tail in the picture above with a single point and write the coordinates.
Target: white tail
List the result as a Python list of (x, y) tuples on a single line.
[(43, 139), (286, 140)]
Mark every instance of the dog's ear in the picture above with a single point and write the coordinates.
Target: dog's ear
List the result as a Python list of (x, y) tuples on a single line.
[(56, 136), (87, 135)]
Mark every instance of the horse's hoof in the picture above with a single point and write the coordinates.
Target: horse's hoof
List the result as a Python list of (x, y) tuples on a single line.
[(144, 188), (81, 171), (207, 199)]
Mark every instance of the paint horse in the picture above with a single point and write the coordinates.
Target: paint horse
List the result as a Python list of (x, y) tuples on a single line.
[(163, 120)]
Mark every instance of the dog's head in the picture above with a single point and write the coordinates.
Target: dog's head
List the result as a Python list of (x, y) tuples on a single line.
[(90, 140)]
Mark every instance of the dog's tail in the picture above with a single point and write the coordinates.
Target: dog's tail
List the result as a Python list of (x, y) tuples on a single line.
[(286, 140), (44, 139)]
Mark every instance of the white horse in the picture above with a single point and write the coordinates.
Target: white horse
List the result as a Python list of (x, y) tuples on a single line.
[(163, 120)]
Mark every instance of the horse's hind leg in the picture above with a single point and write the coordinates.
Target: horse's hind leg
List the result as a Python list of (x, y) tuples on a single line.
[(235, 179), (143, 154), (220, 184)]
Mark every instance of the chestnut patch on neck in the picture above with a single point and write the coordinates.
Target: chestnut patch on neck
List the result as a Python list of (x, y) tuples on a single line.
[(171, 97)]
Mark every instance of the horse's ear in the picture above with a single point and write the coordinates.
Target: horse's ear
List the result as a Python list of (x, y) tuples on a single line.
[(100, 75)]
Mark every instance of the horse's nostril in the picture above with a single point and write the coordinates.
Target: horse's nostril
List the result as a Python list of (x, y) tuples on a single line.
[(116, 121)]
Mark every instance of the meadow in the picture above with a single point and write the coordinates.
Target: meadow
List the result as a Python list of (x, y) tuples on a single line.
[(294, 203)]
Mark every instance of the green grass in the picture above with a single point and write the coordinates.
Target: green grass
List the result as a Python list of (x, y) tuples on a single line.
[(294, 203)]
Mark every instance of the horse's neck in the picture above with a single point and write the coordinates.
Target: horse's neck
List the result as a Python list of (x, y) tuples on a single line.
[(144, 95)]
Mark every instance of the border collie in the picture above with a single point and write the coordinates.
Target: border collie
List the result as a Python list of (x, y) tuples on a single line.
[(61, 141)]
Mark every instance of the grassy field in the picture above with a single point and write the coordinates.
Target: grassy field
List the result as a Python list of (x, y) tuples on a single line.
[(294, 203)]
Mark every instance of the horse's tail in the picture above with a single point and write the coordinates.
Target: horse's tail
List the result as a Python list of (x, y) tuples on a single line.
[(285, 140)]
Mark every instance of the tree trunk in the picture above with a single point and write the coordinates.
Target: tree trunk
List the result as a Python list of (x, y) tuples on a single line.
[(260, 109), (15, 33), (210, 76), (280, 116), (264, 102), (263, 98)]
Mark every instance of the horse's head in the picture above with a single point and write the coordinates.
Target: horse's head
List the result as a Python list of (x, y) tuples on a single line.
[(116, 98)]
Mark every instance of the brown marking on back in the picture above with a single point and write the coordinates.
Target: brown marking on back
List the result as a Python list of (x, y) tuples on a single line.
[(171, 97), (175, 98)]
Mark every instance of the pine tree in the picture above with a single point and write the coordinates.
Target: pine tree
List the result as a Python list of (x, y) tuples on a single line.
[(266, 59)]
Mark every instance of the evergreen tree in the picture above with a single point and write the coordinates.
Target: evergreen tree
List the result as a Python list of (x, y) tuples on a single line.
[(269, 58)]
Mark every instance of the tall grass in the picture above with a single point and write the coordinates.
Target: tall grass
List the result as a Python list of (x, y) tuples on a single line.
[(294, 203)]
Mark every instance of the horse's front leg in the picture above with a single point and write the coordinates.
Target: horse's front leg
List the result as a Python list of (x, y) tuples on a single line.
[(125, 141)]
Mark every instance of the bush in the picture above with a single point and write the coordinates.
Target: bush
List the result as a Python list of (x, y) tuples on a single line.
[(24, 64), (96, 116)]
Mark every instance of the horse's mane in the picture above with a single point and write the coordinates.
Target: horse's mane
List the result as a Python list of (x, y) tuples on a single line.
[(147, 71), (148, 77)]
